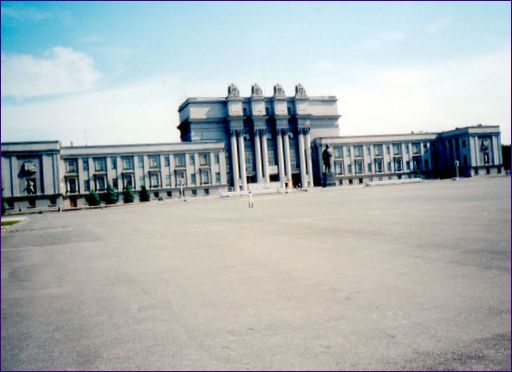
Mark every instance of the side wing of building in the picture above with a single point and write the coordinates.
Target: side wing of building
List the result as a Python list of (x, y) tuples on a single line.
[(465, 152), (46, 175)]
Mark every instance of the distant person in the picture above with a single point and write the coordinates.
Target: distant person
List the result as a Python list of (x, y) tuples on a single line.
[(251, 200)]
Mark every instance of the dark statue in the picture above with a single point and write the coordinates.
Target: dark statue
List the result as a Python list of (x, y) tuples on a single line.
[(326, 158)]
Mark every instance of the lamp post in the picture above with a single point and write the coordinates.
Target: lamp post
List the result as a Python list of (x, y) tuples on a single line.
[(456, 169)]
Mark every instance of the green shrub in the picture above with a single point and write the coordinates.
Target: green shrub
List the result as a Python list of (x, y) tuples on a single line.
[(128, 195), (144, 194), (93, 199), (110, 195)]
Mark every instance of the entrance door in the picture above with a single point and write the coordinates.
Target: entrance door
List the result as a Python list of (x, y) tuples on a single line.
[(72, 202)]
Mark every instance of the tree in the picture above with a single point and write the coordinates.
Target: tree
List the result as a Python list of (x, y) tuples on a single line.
[(128, 195), (93, 199), (110, 196), (143, 194)]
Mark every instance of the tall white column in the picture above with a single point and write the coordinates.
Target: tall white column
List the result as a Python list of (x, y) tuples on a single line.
[(241, 151), (287, 160), (302, 159), (280, 158), (264, 149), (257, 155), (309, 162), (234, 162)]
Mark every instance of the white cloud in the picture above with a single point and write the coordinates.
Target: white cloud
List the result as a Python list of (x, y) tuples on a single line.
[(25, 13), (21, 12), (373, 100), (433, 97), (439, 25), (90, 39), (60, 70), (383, 39)]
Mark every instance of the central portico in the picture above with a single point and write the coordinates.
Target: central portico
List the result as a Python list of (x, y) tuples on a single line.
[(267, 139)]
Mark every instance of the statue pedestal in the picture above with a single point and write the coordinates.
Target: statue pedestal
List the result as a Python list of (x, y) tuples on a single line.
[(328, 179)]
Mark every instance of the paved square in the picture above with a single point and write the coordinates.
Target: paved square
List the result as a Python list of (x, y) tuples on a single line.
[(396, 277)]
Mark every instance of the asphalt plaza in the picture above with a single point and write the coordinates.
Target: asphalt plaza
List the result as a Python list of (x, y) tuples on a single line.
[(395, 277)]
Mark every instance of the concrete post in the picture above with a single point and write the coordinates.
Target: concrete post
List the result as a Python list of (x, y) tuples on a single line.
[(264, 149), (280, 158), (309, 162), (287, 160), (234, 162), (302, 159), (257, 154), (241, 151)]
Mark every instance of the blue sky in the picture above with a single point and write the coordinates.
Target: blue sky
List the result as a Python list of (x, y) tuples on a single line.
[(116, 72)]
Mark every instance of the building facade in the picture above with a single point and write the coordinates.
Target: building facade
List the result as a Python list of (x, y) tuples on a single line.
[(235, 144)]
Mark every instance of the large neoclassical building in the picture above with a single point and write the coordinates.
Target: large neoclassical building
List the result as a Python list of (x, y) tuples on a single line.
[(233, 144)]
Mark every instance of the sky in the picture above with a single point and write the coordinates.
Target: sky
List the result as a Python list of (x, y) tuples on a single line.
[(116, 72)]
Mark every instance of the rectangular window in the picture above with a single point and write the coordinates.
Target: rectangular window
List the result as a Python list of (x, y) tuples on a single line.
[(141, 161), (217, 178), (368, 150), (349, 168), (141, 181), (192, 159), (87, 186), (204, 158), (154, 161), (377, 150), (407, 149), (338, 151), (415, 148), (397, 149), (358, 151), (115, 184), (416, 162), (85, 165), (205, 177), (194, 192), (387, 149), (100, 183), (369, 167), (127, 162), (180, 160), (407, 165), (154, 180), (389, 166), (426, 163), (338, 168), (128, 181), (397, 164), (359, 167), (99, 164), (271, 151), (193, 179), (167, 161), (113, 161), (71, 166), (72, 185), (180, 178), (378, 165), (463, 143)]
